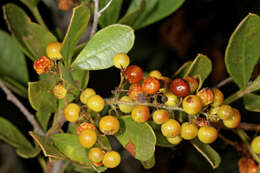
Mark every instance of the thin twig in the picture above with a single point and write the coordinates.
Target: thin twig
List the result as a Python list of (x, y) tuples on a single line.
[(106, 6), (11, 97), (250, 127), (224, 82)]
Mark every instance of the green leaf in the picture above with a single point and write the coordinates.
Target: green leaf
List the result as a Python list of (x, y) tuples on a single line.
[(182, 70), (78, 24), (163, 9), (81, 78), (10, 134), (43, 118), (137, 138), (67, 76), (111, 14), (100, 50), (13, 62), (31, 36), (47, 146), (207, 152), (14, 86), (252, 102), (148, 164), (242, 52)]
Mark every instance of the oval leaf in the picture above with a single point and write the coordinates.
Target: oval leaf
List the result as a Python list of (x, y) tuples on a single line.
[(242, 52), (252, 102), (141, 146), (100, 50)]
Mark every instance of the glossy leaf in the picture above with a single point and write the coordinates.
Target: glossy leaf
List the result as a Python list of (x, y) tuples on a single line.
[(31, 36), (10, 54), (141, 146), (252, 102), (242, 52), (100, 50), (43, 119), (47, 146), (111, 14), (207, 152), (78, 24)]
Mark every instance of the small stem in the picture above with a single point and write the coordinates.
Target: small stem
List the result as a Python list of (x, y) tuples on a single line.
[(250, 127), (234, 144), (106, 6), (224, 82), (95, 21)]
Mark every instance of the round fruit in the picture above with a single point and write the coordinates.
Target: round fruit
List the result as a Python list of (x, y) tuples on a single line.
[(53, 50), (172, 100), (134, 91), (96, 155), (206, 96), (171, 128), (255, 145), (160, 116), (176, 140), (109, 125), (86, 94), (193, 83), (84, 126), (87, 138), (96, 103), (207, 134), (140, 113), (43, 65), (121, 60), (71, 112), (188, 131), (156, 74), (126, 108), (150, 85), (225, 112), (111, 159), (180, 87), (134, 74), (218, 97), (59, 91), (234, 121), (192, 104), (252, 168)]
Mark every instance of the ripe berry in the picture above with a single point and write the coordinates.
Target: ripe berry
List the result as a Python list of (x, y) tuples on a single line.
[(255, 145), (140, 113), (176, 140), (156, 74), (84, 126), (71, 112), (53, 50), (247, 165), (252, 168), (126, 108), (172, 100), (121, 60), (207, 134), (171, 128), (193, 83), (111, 159), (87, 138), (218, 97), (96, 103), (134, 74), (96, 155), (150, 85), (86, 94), (180, 87), (134, 91), (59, 91), (225, 112), (192, 104), (206, 95), (109, 125), (188, 131), (160, 116), (234, 121), (43, 65)]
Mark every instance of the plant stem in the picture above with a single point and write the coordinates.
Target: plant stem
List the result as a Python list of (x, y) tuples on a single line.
[(224, 82), (235, 96), (11, 97), (250, 127)]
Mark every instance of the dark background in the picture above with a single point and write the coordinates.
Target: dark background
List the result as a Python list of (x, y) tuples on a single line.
[(199, 26)]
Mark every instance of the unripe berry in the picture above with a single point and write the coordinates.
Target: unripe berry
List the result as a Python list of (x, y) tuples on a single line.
[(192, 104), (111, 159), (218, 97), (189, 131), (96, 155), (121, 60), (180, 87), (176, 140), (255, 145), (126, 108), (160, 116), (43, 65), (207, 134), (234, 121), (86, 94), (171, 128), (84, 126), (172, 100), (140, 113), (134, 74), (193, 83), (87, 138), (225, 112), (109, 125), (206, 96), (150, 85), (59, 91), (96, 103), (71, 112), (134, 91), (53, 50), (156, 74)]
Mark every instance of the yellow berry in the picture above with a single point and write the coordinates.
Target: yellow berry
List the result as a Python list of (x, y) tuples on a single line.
[(96, 155), (121, 60), (192, 104), (171, 128), (160, 116), (111, 159), (59, 91), (188, 131), (87, 138), (207, 134), (255, 145), (234, 121), (53, 50), (156, 74), (126, 108), (176, 140), (96, 103), (172, 100), (109, 125), (225, 112), (71, 112), (86, 94)]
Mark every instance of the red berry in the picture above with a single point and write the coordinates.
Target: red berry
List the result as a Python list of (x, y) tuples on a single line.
[(43, 65), (150, 85), (180, 87), (134, 74), (134, 91)]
